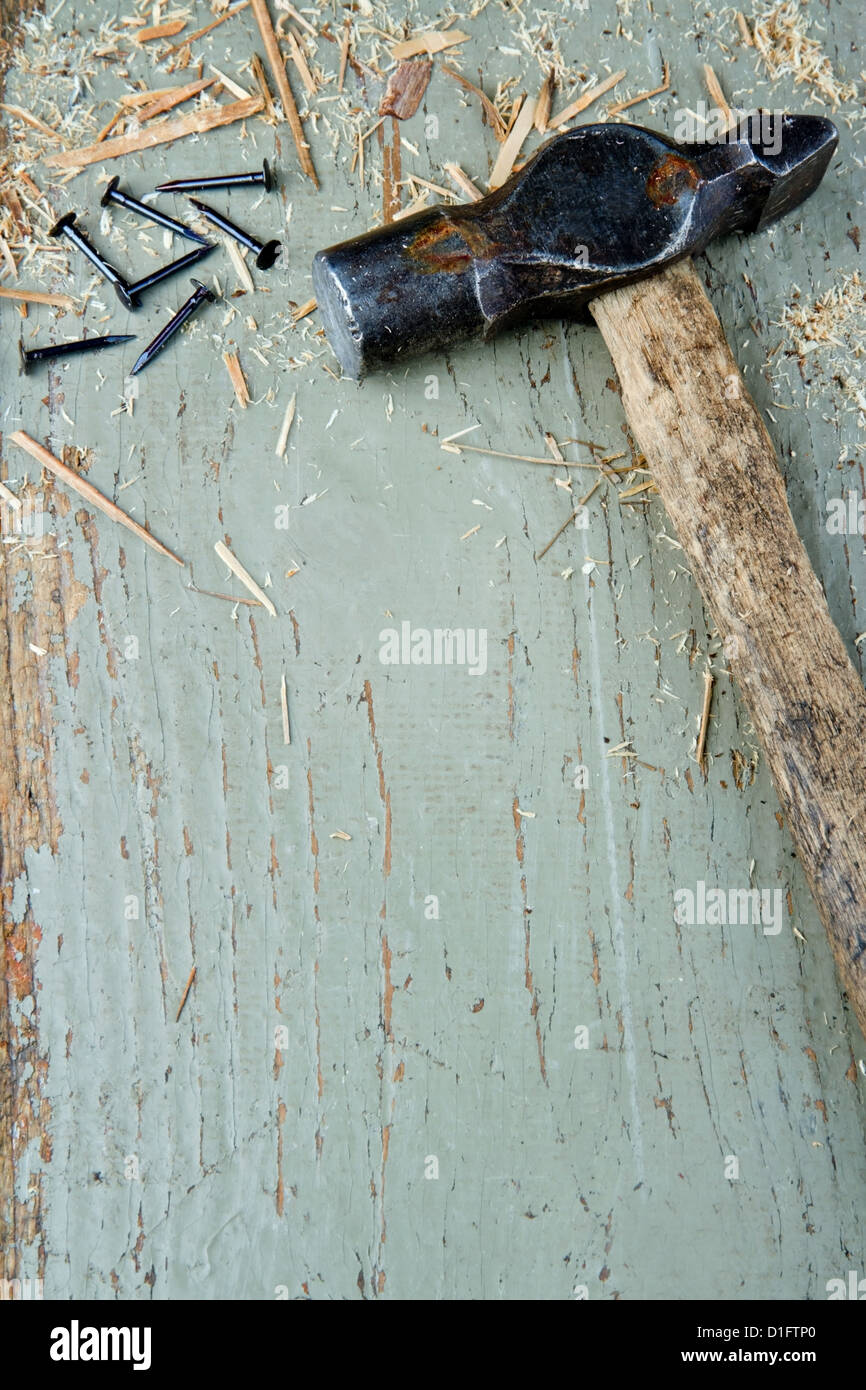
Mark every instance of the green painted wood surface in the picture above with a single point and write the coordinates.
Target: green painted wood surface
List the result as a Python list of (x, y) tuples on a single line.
[(424, 1126)]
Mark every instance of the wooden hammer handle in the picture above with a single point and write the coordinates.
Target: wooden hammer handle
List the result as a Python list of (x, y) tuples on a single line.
[(716, 470)]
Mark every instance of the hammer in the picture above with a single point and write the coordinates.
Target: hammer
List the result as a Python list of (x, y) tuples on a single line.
[(604, 219)]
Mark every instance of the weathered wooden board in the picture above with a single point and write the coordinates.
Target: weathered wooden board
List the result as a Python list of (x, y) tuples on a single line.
[(374, 1087)]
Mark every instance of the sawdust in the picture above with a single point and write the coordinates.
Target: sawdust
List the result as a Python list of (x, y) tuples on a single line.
[(832, 328), (786, 48)]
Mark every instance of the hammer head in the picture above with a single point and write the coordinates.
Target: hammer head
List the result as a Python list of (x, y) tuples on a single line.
[(595, 208)]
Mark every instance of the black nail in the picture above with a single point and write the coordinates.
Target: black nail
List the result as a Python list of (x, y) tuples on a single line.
[(66, 227), (114, 195), (266, 252), (263, 177), (198, 296), (30, 356), (129, 294)]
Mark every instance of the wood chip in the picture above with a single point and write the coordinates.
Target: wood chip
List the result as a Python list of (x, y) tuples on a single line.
[(644, 96), (57, 301), (701, 750), (283, 441), (87, 491), (142, 98), (258, 71), (302, 310), (161, 31), (229, 598), (302, 67), (542, 105), (744, 30), (405, 90), (511, 147), (200, 33), (196, 123), (525, 458), (638, 487), (586, 100), (298, 17), (238, 380), (284, 705), (185, 994), (574, 515), (244, 576), (344, 52), (491, 115), (8, 258), (29, 119), (106, 130), (465, 184), (242, 271), (284, 91), (339, 835), (167, 100), (230, 85), (714, 87), (434, 41)]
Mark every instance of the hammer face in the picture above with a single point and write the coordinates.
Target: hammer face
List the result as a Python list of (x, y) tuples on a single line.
[(595, 208)]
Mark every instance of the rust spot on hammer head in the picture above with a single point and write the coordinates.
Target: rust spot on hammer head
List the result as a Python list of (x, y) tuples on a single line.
[(429, 256), (669, 179)]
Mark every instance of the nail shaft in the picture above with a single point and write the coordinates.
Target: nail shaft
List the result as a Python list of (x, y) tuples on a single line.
[(115, 195), (30, 356), (129, 294), (263, 178), (198, 296), (66, 227), (266, 252)]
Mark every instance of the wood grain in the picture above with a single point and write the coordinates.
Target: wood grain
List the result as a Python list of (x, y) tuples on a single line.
[(715, 467)]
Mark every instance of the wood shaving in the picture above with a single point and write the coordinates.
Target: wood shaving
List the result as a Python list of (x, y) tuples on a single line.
[(244, 576), (433, 41), (511, 146), (465, 184), (582, 102), (57, 301), (238, 380), (162, 134), (785, 49), (284, 706), (283, 440), (644, 96), (160, 31)]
